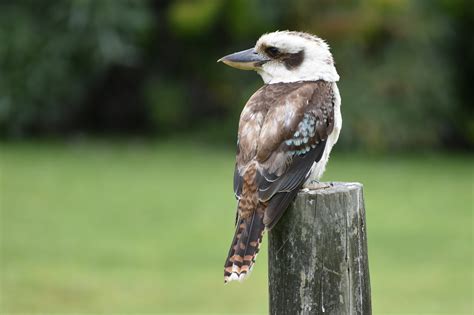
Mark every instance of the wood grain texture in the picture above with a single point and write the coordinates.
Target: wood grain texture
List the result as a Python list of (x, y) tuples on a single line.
[(318, 254)]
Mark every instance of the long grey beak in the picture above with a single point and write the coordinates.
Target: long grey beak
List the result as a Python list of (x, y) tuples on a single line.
[(246, 60)]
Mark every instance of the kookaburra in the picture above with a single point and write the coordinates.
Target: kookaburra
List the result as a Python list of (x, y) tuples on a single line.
[(286, 132)]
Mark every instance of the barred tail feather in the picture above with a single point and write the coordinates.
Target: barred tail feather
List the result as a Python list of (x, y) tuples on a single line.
[(245, 246)]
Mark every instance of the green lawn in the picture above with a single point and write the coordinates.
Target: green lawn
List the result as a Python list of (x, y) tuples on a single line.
[(144, 228)]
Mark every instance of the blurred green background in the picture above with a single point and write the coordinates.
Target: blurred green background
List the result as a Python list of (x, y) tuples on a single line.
[(118, 127)]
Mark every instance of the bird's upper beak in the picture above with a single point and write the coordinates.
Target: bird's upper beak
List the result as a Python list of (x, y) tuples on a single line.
[(248, 59)]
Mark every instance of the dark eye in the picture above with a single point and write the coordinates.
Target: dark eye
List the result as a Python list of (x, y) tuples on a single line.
[(272, 51)]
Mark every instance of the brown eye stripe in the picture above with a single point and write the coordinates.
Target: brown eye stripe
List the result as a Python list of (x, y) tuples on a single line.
[(290, 60), (293, 60)]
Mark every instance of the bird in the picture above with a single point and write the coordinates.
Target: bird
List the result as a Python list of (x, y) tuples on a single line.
[(286, 132)]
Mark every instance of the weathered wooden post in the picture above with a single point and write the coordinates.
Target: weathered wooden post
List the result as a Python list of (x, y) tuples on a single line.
[(318, 254)]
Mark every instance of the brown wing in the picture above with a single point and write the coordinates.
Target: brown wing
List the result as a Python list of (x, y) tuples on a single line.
[(251, 121), (283, 128), (285, 163)]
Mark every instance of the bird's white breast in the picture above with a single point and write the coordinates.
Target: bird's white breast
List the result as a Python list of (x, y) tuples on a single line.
[(318, 168)]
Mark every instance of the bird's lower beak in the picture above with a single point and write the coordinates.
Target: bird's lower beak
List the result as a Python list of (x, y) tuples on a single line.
[(246, 60)]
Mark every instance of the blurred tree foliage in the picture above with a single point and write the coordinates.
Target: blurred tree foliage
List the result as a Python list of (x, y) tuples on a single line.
[(149, 66), (53, 51)]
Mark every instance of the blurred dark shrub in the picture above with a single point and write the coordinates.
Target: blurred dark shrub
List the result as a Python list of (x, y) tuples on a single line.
[(128, 66), (52, 51)]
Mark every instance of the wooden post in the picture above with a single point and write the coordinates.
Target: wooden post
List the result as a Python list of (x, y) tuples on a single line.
[(318, 254)]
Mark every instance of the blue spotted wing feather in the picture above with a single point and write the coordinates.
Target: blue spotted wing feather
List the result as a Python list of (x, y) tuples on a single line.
[(302, 149)]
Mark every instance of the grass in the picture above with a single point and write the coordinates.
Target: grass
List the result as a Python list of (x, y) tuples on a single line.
[(144, 228)]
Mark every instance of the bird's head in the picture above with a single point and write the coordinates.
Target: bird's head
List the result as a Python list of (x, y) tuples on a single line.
[(287, 56)]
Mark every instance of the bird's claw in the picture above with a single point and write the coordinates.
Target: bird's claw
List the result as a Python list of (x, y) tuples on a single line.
[(314, 185)]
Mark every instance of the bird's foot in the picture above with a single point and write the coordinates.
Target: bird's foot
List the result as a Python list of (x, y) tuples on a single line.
[(314, 185)]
